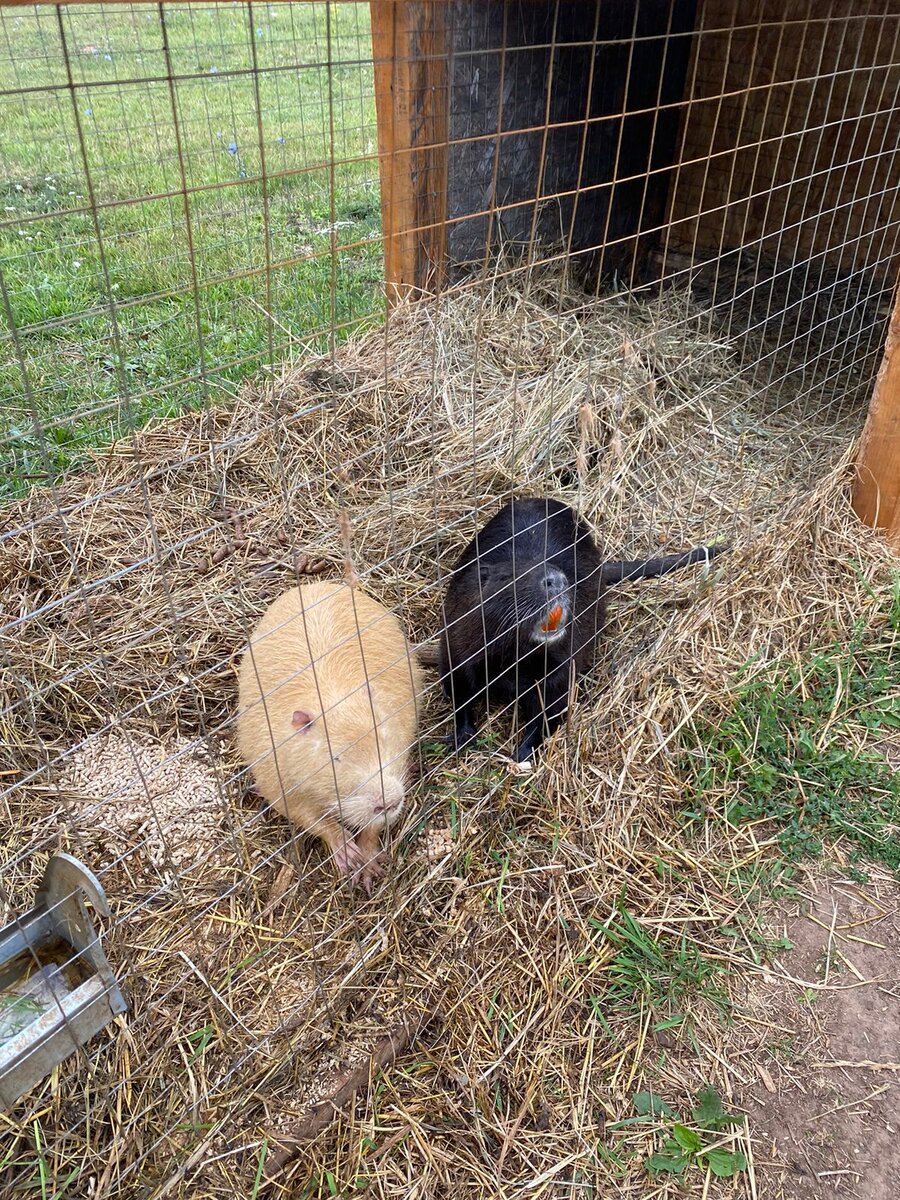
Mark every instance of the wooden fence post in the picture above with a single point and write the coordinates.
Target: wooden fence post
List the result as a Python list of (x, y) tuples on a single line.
[(410, 50), (876, 494)]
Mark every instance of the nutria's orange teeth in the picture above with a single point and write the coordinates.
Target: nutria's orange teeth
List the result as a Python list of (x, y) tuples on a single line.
[(553, 619)]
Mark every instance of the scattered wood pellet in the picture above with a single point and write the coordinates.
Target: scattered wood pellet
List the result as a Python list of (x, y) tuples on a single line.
[(438, 843), (239, 536), (159, 802)]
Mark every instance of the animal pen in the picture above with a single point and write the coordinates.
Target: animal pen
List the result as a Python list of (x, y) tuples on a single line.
[(293, 289)]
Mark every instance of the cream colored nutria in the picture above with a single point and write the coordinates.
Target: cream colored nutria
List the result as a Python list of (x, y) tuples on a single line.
[(323, 661)]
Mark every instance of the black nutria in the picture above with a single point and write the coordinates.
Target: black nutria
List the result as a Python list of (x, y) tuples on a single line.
[(522, 613)]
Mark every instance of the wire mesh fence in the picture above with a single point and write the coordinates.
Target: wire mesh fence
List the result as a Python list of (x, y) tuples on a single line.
[(639, 260), (188, 190)]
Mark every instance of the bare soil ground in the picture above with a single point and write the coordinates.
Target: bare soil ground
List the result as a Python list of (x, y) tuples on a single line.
[(824, 1112)]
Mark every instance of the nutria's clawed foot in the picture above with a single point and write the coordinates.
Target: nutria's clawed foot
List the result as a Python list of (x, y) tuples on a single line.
[(370, 874), (362, 868), (348, 858), (459, 740)]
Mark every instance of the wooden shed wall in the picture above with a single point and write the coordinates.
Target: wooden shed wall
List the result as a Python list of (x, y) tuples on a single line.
[(790, 133), (573, 88), (706, 125)]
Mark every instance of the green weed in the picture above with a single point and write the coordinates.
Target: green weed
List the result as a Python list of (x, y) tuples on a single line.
[(503, 1020), (257, 1179), (686, 1146), (199, 1039)]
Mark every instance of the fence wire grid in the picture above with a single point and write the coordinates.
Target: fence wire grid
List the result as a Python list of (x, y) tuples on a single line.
[(285, 309)]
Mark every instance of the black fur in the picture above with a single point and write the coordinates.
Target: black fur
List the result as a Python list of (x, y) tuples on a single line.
[(652, 568), (534, 554)]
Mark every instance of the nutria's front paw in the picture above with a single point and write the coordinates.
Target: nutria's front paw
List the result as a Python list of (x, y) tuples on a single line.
[(524, 752), (369, 874), (348, 858), (460, 739)]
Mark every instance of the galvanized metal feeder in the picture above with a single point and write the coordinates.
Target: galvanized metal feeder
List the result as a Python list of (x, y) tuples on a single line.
[(57, 988)]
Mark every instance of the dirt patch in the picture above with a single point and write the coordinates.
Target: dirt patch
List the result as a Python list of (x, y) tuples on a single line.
[(890, 748), (824, 1115)]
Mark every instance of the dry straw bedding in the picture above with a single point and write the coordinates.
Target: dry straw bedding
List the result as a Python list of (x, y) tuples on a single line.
[(252, 980)]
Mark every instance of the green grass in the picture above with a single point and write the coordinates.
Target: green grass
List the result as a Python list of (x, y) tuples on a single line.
[(659, 974), (788, 750), (178, 347)]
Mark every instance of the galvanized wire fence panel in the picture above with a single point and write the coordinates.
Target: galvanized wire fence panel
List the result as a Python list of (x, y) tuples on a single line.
[(187, 190), (644, 257)]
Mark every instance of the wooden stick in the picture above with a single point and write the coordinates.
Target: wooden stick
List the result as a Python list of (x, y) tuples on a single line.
[(877, 489), (864, 1064), (286, 1144), (350, 574)]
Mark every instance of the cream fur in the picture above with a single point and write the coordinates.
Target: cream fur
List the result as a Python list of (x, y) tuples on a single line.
[(314, 651)]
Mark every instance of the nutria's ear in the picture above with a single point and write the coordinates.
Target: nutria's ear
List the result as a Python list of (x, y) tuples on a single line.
[(302, 721)]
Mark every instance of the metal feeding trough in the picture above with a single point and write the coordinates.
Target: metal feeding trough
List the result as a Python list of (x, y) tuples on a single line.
[(57, 988)]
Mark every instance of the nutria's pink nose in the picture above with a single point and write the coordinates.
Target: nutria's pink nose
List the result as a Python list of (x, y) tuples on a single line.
[(388, 805)]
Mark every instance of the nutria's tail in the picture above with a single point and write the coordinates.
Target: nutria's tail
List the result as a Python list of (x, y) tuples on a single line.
[(428, 654), (650, 568)]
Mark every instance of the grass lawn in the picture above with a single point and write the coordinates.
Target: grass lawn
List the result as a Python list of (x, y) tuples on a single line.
[(804, 744), (175, 345)]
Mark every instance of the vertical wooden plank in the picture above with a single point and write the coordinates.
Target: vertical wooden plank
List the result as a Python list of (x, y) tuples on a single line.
[(893, 533), (409, 46), (391, 54), (876, 495)]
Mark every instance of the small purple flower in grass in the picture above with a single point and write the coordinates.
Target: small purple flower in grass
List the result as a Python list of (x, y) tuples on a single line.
[(213, 70), (232, 147), (280, 141), (88, 112)]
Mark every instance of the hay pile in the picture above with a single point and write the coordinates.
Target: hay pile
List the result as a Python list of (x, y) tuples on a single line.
[(132, 591)]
